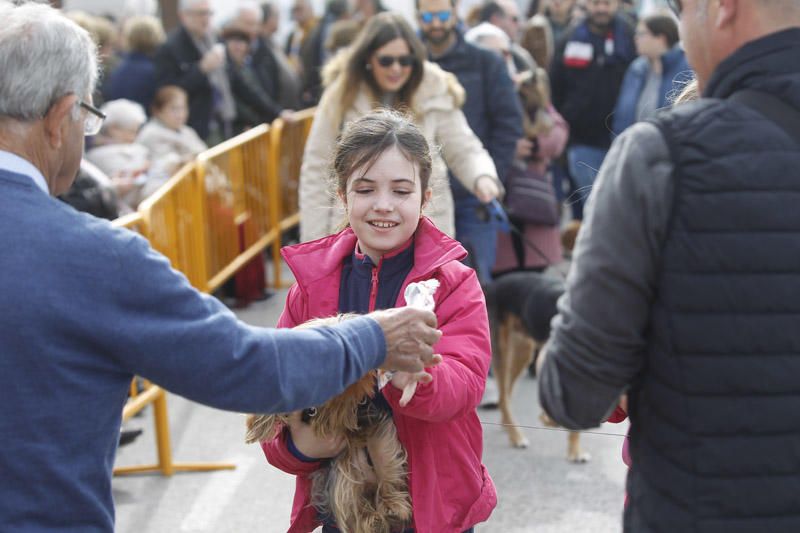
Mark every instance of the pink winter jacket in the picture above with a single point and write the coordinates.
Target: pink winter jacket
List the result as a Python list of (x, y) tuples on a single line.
[(450, 488)]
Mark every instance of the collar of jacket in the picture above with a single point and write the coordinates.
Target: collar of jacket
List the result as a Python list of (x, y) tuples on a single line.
[(672, 57), (769, 64), (315, 260)]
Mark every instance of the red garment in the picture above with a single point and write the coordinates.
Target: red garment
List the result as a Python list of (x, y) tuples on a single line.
[(619, 415), (451, 490)]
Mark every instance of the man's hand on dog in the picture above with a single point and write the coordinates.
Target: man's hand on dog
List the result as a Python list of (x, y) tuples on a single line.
[(309, 444), (410, 335)]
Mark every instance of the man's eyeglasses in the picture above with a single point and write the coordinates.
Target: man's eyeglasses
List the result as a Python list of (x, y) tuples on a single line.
[(428, 16), (94, 119), (676, 6), (388, 61)]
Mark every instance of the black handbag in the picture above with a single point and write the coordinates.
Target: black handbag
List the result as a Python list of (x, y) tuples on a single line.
[(530, 197)]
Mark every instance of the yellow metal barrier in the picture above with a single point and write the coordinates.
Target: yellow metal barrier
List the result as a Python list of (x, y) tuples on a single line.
[(162, 207), (288, 144), (238, 191), (175, 219)]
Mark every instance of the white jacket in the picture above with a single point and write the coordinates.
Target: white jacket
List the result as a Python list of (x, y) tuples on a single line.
[(169, 149), (436, 106)]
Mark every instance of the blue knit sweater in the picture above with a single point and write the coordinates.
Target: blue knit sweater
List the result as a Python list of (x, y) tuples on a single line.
[(87, 306)]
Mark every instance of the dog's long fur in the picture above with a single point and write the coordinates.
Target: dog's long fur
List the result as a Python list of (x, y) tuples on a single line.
[(521, 306), (364, 488)]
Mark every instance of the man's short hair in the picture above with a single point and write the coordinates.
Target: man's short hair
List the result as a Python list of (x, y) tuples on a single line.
[(491, 9), (452, 4), (267, 10), (43, 57), (485, 30), (185, 5), (251, 6)]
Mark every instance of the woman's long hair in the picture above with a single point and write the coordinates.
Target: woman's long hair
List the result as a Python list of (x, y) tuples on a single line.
[(380, 30)]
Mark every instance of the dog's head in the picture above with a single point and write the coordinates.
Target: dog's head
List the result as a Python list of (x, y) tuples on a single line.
[(333, 417)]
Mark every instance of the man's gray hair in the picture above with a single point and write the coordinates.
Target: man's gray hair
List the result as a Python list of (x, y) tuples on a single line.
[(43, 57), (486, 30), (248, 5), (186, 5)]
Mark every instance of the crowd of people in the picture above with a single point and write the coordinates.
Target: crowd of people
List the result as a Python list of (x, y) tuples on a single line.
[(543, 95), (679, 304)]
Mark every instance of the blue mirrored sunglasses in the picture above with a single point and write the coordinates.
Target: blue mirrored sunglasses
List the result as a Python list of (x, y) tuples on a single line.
[(427, 16)]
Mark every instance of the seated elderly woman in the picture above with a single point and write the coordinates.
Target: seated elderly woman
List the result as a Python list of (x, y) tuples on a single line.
[(116, 153)]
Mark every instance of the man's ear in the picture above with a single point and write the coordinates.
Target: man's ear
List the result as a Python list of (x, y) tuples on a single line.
[(727, 11), (54, 119)]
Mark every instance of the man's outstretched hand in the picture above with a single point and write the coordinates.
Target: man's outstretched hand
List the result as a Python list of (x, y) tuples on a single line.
[(410, 335)]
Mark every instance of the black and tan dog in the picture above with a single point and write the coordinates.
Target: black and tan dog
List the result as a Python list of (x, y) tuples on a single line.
[(521, 306)]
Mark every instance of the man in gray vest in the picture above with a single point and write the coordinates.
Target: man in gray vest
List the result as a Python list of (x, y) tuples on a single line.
[(86, 306), (685, 290)]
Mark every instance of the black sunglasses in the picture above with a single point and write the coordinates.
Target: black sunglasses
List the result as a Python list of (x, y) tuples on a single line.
[(676, 6), (388, 61)]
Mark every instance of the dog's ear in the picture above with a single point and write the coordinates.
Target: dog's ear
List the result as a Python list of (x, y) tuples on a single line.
[(261, 427)]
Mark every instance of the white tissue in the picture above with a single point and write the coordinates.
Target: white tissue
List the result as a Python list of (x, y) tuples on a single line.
[(419, 295)]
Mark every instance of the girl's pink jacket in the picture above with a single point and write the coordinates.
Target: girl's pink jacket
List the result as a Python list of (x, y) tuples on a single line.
[(450, 488)]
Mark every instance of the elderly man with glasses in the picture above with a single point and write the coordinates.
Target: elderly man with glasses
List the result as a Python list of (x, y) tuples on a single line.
[(86, 306), (684, 286)]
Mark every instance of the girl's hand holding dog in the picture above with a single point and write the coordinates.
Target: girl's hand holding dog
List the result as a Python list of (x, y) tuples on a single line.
[(309, 444)]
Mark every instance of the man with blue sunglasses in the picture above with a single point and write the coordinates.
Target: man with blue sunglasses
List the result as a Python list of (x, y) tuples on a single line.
[(492, 110)]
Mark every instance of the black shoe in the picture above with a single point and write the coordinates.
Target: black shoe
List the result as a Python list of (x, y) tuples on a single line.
[(126, 436)]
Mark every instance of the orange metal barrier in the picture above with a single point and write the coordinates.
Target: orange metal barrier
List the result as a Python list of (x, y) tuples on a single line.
[(288, 144)]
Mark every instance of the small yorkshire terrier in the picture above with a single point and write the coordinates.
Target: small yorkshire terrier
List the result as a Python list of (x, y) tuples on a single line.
[(364, 488)]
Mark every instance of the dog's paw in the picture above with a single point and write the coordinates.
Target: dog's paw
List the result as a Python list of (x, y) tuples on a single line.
[(520, 443), (579, 457)]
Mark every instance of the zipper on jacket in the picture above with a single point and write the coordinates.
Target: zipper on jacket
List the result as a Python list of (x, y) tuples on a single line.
[(373, 290)]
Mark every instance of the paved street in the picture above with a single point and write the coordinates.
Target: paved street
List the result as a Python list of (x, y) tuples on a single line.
[(539, 491)]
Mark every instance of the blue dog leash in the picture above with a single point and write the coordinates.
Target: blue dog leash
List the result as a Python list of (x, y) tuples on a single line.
[(494, 211)]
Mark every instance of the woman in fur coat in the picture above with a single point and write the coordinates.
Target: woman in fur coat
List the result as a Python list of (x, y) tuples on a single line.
[(386, 67)]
